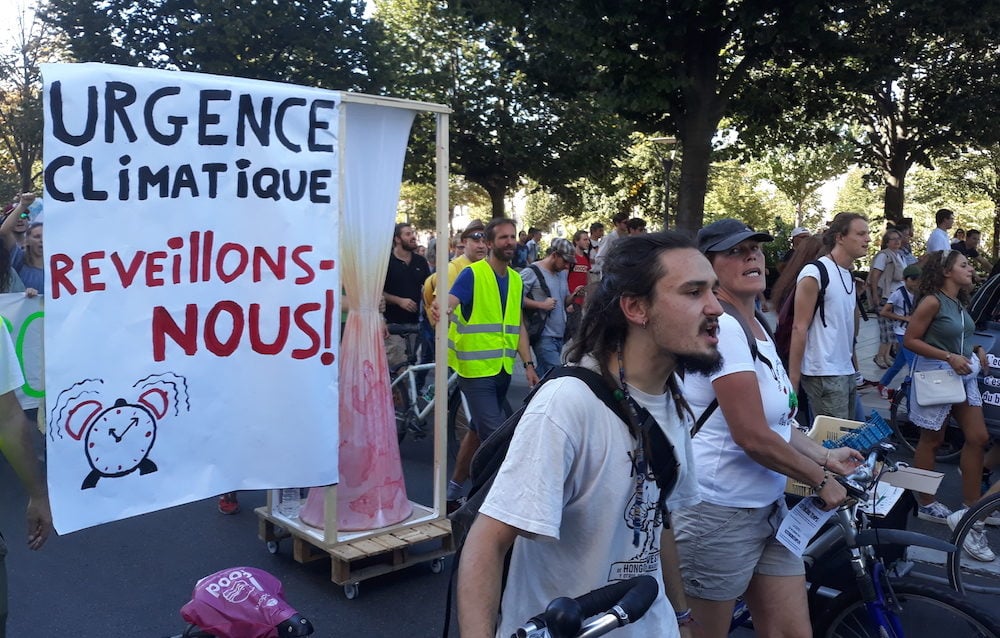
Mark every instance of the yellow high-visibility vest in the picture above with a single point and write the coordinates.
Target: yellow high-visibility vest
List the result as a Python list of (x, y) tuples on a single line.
[(487, 342)]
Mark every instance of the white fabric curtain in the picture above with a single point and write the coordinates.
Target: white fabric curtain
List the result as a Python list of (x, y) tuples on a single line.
[(371, 493)]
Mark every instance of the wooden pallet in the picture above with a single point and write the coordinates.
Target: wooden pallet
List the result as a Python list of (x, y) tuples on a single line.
[(357, 560)]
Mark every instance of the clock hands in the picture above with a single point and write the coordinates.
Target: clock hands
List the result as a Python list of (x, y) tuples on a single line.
[(119, 437)]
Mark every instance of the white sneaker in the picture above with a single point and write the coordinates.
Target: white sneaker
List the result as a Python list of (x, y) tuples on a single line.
[(934, 512), (975, 543)]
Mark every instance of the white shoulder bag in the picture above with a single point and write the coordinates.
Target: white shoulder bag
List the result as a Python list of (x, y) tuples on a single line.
[(939, 387)]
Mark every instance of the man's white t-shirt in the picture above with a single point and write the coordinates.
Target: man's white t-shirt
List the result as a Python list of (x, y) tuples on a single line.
[(829, 350), (938, 240), (567, 482), (726, 475)]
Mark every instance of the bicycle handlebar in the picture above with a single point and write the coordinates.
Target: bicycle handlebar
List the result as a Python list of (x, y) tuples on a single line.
[(625, 601)]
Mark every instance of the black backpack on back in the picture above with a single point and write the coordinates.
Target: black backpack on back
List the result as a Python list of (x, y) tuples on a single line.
[(786, 315), (492, 452)]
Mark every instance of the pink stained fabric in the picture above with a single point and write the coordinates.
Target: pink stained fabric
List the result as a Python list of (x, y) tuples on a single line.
[(371, 493)]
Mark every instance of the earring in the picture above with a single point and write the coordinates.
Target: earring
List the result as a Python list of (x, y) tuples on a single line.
[(644, 322)]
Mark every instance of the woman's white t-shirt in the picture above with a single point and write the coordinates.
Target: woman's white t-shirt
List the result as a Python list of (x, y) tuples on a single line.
[(726, 475)]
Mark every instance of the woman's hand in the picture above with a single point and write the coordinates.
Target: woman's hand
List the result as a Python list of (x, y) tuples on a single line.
[(983, 361), (959, 364), (843, 460)]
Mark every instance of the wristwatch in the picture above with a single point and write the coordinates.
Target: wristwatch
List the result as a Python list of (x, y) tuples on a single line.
[(529, 362)]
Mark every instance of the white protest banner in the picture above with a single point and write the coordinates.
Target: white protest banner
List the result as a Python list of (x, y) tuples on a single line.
[(24, 318), (193, 288)]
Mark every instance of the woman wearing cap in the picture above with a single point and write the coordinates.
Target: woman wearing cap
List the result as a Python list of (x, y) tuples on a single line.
[(744, 451), (940, 333), (884, 278)]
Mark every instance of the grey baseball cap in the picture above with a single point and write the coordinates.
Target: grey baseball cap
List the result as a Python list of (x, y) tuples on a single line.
[(726, 233)]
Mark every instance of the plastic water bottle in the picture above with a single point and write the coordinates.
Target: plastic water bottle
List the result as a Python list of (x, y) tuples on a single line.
[(429, 393), (290, 502)]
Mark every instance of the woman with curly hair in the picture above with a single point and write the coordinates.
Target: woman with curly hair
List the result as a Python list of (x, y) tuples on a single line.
[(940, 335)]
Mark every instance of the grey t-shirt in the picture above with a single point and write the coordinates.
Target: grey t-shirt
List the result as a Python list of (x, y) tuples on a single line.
[(555, 325)]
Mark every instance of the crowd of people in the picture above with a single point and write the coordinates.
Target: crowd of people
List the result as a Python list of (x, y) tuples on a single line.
[(673, 326)]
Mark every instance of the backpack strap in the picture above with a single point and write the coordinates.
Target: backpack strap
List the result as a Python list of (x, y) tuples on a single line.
[(541, 280), (824, 281), (731, 310), (597, 384)]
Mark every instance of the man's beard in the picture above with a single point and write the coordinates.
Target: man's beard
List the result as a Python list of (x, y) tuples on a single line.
[(501, 254), (706, 364)]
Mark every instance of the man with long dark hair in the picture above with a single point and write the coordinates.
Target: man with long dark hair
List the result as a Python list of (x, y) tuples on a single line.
[(574, 496)]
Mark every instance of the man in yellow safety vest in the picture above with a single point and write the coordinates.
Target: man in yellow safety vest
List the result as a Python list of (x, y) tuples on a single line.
[(485, 332)]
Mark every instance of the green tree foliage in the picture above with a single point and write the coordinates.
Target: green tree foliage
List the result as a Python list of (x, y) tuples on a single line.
[(505, 127), (909, 79), (799, 173), (418, 202), (312, 42), (736, 190), (671, 67), (21, 105)]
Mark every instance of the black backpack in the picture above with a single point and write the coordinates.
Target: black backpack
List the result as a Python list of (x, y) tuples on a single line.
[(492, 452), (786, 316), (534, 320)]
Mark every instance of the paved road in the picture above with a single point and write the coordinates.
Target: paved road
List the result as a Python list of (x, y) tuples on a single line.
[(131, 577)]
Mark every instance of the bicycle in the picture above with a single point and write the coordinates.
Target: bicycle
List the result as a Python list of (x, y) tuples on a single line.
[(907, 434), (413, 408), (619, 604), (879, 603), (963, 570)]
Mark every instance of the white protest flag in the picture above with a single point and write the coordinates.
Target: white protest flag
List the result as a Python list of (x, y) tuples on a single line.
[(24, 317), (192, 311)]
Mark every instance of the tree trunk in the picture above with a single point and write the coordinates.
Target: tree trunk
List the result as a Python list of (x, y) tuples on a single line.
[(893, 204), (697, 145), (497, 194), (895, 180)]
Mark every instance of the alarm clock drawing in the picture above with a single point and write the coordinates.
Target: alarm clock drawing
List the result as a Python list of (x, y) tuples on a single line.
[(118, 439)]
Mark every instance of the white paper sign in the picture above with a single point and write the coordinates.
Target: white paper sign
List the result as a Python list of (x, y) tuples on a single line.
[(24, 317), (192, 288), (801, 524)]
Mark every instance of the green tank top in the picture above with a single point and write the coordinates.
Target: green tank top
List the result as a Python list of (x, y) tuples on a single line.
[(952, 327)]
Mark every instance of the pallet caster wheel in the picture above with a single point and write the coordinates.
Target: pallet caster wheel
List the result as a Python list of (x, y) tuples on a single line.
[(351, 591), (272, 547), (437, 565)]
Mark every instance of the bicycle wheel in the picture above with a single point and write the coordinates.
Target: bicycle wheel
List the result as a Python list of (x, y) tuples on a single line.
[(907, 434), (401, 405), (926, 610), (965, 573)]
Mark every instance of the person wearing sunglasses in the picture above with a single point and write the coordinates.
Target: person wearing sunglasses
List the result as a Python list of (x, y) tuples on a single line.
[(472, 244), (746, 448)]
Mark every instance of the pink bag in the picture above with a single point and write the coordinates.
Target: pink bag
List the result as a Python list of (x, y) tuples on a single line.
[(243, 602)]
